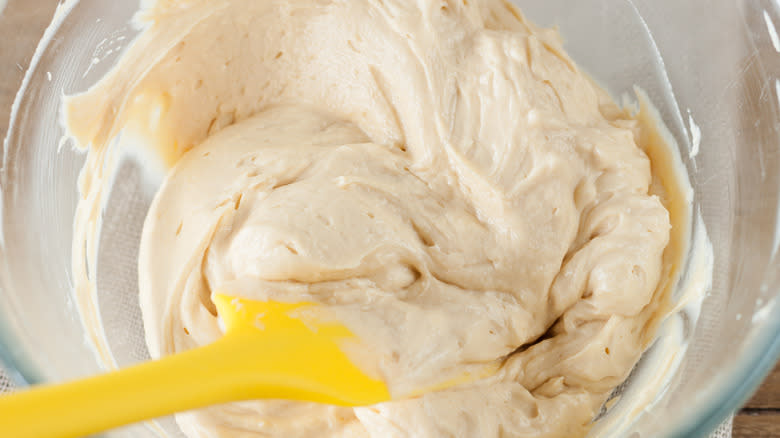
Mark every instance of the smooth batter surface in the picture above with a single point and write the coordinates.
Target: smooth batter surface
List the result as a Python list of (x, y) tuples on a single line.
[(438, 173)]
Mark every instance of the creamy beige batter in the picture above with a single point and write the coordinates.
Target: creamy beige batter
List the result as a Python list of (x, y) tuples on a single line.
[(438, 173)]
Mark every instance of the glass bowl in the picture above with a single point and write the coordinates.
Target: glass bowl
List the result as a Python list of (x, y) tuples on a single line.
[(711, 68)]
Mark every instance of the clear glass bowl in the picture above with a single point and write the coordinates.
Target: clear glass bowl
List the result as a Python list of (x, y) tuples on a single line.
[(711, 68)]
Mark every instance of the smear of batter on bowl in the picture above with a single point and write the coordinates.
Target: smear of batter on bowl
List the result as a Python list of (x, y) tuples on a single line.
[(439, 174)]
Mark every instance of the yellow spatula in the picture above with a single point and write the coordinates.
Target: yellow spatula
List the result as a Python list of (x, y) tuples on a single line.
[(271, 350)]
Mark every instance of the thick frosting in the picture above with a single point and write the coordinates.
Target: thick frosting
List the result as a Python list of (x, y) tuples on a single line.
[(439, 174)]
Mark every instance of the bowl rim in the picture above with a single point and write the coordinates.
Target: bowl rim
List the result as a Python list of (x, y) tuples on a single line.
[(13, 360)]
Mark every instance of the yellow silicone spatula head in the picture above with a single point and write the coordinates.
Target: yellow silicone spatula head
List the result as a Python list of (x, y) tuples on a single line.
[(292, 347), (271, 350)]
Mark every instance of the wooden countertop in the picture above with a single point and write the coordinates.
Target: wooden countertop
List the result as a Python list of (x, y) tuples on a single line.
[(760, 418), (21, 30)]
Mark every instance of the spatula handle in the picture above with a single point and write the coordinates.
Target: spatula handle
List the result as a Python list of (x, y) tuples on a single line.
[(152, 389)]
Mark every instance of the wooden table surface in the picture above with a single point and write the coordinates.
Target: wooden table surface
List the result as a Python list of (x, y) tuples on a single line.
[(761, 415), (22, 27)]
